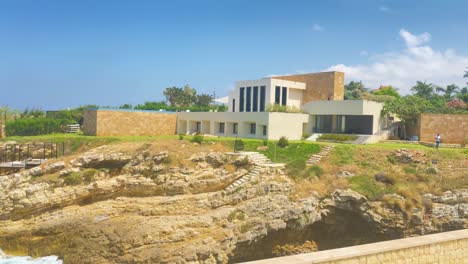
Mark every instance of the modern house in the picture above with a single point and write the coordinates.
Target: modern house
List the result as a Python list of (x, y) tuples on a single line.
[(309, 103)]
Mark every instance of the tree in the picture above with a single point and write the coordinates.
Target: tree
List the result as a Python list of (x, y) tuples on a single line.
[(189, 97), (423, 89), (466, 75), (126, 106), (354, 90), (387, 90), (407, 109), (174, 95), (463, 94), (204, 100), (449, 91)]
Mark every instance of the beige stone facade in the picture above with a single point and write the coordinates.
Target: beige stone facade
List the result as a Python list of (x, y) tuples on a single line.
[(452, 128), (447, 247), (320, 86), (107, 122)]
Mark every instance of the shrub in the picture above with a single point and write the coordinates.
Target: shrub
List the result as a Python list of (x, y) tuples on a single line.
[(265, 142), (198, 138), (431, 170), (306, 136), (282, 108), (337, 137), (316, 170), (36, 126), (181, 136), (73, 178), (283, 142), (88, 175), (238, 144), (295, 167)]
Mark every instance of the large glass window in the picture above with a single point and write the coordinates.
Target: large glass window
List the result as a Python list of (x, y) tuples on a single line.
[(264, 128), (233, 105), (277, 94), (255, 99), (241, 98), (262, 98), (234, 128), (221, 128), (198, 127), (253, 128), (248, 103), (284, 96)]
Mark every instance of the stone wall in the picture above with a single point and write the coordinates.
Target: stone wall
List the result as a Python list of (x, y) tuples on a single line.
[(451, 127), (320, 86), (447, 247), (107, 122)]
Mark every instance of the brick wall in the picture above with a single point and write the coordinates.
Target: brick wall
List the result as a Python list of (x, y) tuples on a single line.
[(320, 86), (128, 123), (447, 247), (452, 128)]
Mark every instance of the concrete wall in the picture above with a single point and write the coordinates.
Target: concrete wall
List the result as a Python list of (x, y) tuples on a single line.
[(319, 86), (447, 247), (452, 128), (110, 122), (289, 125)]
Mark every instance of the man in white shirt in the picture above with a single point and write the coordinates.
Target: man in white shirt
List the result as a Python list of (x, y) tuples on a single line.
[(437, 139)]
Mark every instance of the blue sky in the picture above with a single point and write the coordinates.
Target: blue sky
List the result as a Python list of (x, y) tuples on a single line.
[(57, 54)]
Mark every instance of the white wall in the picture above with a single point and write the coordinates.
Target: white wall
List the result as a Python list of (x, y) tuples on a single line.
[(289, 125)]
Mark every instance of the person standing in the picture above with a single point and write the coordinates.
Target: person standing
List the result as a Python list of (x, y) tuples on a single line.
[(437, 140)]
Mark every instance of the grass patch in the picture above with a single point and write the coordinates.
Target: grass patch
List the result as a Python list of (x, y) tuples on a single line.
[(343, 154), (367, 186), (337, 137)]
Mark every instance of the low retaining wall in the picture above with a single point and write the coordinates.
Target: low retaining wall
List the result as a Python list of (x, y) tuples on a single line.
[(116, 122), (447, 247)]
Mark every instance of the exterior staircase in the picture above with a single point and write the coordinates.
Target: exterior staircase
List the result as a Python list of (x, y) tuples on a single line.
[(315, 158), (260, 161), (361, 139)]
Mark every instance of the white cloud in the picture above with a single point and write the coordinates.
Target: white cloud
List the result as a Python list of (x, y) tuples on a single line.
[(414, 40), (364, 53), (417, 62), (384, 9), (318, 28)]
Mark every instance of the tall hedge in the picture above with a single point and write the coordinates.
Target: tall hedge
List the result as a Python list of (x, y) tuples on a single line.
[(36, 126)]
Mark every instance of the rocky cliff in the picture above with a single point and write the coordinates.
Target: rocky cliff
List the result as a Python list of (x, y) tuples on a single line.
[(151, 206)]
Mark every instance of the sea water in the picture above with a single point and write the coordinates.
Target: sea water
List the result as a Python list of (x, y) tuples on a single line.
[(4, 259)]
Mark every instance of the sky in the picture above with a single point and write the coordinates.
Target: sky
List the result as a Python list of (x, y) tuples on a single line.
[(61, 54)]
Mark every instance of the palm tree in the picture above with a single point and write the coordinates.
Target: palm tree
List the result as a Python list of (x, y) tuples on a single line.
[(466, 75), (423, 89), (448, 92)]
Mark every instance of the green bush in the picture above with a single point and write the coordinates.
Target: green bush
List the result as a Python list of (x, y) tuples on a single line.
[(238, 144), (283, 142), (296, 167), (181, 136), (88, 175), (316, 170), (337, 137), (282, 108), (73, 178), (265, 142), (198, 138), (36, 126)]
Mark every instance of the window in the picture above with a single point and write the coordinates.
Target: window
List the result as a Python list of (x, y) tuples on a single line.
[(255, 99), (221, 128), (234, 128), (241, 102), (262, 98), (248, 99), (233, 105), (277, 94), (253, 128), (284, 96), (198, 127), (264, 130)]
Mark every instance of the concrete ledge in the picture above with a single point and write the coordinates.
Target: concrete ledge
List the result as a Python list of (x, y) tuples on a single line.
[(354, 252)]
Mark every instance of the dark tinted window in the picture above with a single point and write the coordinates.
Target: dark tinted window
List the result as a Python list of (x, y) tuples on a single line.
[(277, 94), (241, 98), (262, 98), (248, 103), (284, 96), (255, 99)]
